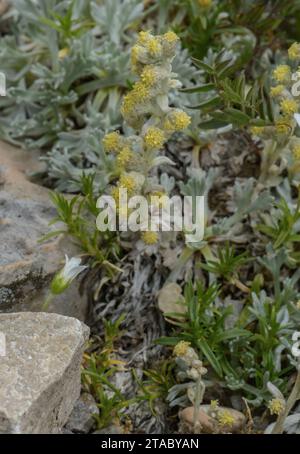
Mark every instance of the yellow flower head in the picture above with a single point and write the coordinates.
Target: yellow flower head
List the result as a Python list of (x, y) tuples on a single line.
[(294, 51), (153, 46), (149, 76), (112, 141), (138, 95), (125, 157), (205, 3), (63, 53), (225, 418), (127, 182), (282, 73), (171, 37), (296, 152), (149, 237), (276, 406), (289, 106), (283, 126), (277, 91), (177, 120), (214, 404), (144, 37), (298, 304), (257, 130), (154, 138), (181, 348)]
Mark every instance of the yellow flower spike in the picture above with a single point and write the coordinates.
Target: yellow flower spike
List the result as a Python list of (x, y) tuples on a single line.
[(181, 348), (276, 91), (170, 37), (127, 182), (125, 157), (112, 141), (282, 73), (276, 406), (294, 51), (154, 138), (296, 152), (150, 238), (225, 418), (289, 106), (205, 3)]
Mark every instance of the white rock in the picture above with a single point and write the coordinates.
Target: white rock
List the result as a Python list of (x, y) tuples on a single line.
[(40, 372)]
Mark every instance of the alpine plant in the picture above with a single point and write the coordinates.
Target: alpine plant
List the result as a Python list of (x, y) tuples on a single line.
[(147, 112)]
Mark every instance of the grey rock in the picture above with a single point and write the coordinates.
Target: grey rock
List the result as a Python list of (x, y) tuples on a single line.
[(40, 373), (26, 265), (81, 419), (110, 430)]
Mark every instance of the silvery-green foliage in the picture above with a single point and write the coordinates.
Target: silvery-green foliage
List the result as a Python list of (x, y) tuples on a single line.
[(115, 17), (60, 103)]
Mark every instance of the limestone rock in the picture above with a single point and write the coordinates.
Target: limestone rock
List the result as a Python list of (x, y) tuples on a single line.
[(27, 266), (81, 419), (40, 373)]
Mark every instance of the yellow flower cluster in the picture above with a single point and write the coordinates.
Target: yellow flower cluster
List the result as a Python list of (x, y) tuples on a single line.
[(125, 157), (214, 404), (177, 120), (283, 126), (225, 418), (154, 47), (63, 53), (149, 76), (149, 237), (257, 130), (170, 37), (277, 91), (139, 94), (154, 138), (276, 406), (294, 51), (127, 182), (181, 348), (289, 106), (296, 152), (282, 73), (112, 141)]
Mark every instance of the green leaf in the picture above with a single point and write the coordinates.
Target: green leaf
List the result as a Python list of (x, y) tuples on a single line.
[(199, 89), (212, 102), (200, 64), (210, 356)]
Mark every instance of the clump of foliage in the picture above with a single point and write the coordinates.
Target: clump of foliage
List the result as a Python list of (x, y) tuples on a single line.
[(99, 367)]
